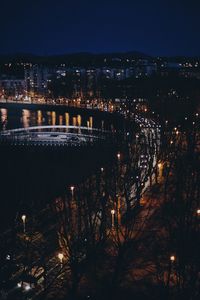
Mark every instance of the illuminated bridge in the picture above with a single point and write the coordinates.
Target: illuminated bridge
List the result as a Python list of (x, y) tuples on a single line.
[(57, 135)]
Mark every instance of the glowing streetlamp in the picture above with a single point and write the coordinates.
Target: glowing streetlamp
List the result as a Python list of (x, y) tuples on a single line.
[(118, 156), (102, 169), (198, 212), (112, 217), (172, 258), (60, 257), (159, 171), (24, 222), (72, 190)]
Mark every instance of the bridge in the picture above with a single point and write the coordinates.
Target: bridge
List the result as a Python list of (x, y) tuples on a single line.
[(58, 135)]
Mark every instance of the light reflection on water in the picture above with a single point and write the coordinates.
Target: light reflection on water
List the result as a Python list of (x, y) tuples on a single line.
[(91, 122), (39, 117), (34, 118), (26, 118), (53, 118), (60, 120), (3, 114), (67, 119), (79, 120), (39, 175)]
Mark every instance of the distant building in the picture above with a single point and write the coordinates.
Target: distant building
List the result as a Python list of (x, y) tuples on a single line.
[(190, 73), (145, 68), (12, 86), (36, 79)]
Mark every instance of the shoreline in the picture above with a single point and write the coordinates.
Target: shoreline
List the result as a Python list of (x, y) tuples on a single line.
[(60, 107)]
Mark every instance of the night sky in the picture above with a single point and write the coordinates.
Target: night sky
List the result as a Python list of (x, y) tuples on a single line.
[(155, 27)]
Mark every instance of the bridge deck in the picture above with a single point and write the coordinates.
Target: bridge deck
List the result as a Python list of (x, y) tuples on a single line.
[(58, 134)]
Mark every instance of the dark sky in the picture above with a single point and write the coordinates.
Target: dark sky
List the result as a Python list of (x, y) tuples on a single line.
[(156, 27)]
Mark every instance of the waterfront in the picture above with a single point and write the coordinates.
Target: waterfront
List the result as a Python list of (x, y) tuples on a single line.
[(81, 184), (99, 150), (14, 115), (97, 217), (33, 176)]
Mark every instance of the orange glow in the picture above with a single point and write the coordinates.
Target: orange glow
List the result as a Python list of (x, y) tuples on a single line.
[(172, 258), (60, 256)]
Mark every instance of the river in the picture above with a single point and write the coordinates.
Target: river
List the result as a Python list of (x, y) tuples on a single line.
[(33, 176)]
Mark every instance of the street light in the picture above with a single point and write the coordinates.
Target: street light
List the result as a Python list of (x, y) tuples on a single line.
[(172, 258), (102, 170), (198, 212), (24, 222), (72, 190), (118, 156), (112, 217), (61, 256)]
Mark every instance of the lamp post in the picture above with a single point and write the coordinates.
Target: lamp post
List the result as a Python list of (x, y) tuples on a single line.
[(72, 190), (160, 169), (112, 217), (24, 222), (118, 156), (172, 258), (61, 256)]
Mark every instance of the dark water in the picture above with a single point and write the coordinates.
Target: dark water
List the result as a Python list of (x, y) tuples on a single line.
[(17, 116), (33, 176)]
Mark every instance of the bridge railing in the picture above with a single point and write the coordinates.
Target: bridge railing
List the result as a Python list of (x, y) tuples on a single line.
[(54, 127), (45, 134)]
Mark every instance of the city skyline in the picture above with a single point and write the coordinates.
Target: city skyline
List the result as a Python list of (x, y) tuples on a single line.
[(49, 28), (100, 150)]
